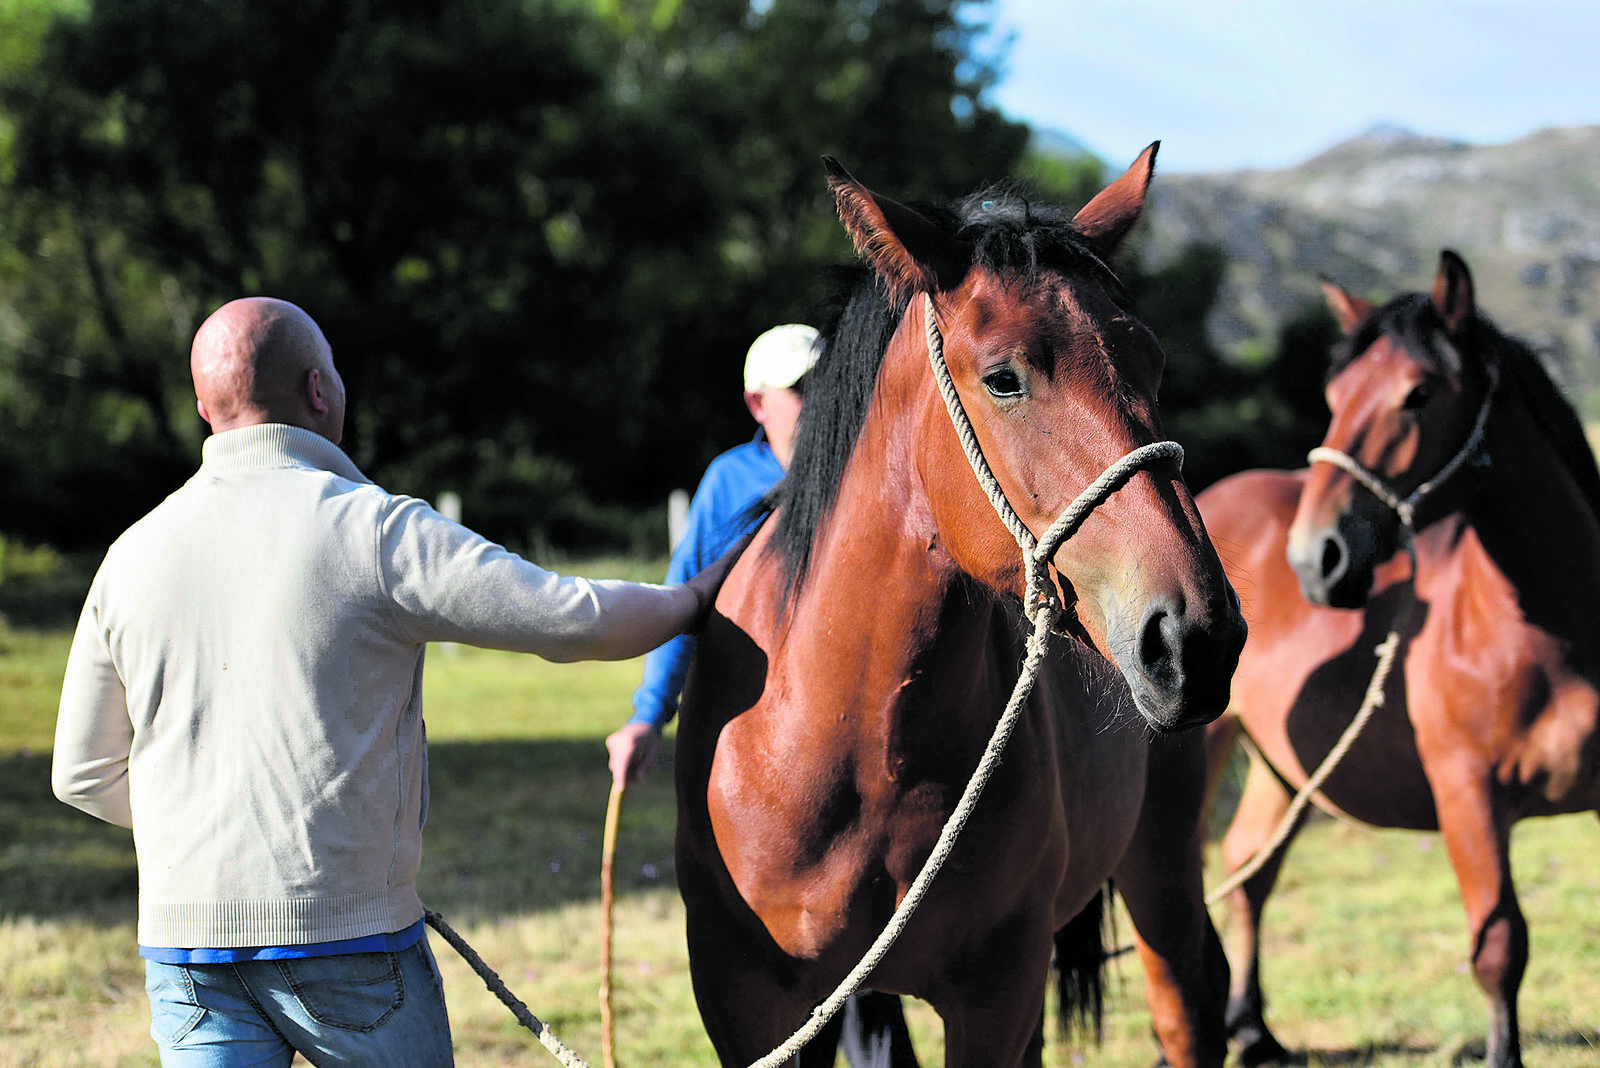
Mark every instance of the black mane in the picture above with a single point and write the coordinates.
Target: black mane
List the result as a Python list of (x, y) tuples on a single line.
[(1413, 321), (1011, 239)]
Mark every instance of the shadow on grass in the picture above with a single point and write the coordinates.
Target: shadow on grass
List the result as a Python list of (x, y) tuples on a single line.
[(513, 826), (517, 825)]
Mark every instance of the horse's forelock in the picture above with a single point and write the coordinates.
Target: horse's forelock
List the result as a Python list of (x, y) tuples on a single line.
[(1011, 238), (1411, 321)]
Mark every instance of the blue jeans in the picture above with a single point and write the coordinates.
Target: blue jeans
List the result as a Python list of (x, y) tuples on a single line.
[(380, 1009)]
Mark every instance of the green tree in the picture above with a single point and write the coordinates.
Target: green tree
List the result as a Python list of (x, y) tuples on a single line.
[(539, 235)]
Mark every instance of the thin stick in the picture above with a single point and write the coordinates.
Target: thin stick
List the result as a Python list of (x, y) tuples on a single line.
[(608, 856)]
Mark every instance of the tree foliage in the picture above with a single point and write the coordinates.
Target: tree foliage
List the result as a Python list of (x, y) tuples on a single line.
[(1229, 416), (538, 234)]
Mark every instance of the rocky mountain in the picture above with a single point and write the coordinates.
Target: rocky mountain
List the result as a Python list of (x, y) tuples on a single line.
[(1373, 213)]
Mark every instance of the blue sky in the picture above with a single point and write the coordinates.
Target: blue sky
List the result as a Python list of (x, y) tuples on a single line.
[(1270, 83)]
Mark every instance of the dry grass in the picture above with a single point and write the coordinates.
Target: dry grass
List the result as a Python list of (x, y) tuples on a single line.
[(1365, 943)]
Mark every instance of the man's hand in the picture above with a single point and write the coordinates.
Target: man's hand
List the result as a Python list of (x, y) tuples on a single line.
[(633, 748), (708, 582)]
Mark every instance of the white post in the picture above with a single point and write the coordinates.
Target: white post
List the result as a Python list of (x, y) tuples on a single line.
[(677, 516)]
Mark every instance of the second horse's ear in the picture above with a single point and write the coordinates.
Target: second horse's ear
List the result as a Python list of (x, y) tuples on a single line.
[(1108, 218), (1349, 309), (910, 254), (1452, 293)]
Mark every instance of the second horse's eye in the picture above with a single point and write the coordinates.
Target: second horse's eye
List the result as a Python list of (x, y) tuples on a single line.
[(1418, 398), (1003, 382)]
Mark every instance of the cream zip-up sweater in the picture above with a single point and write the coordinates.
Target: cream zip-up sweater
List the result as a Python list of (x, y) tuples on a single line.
[(245, 686)]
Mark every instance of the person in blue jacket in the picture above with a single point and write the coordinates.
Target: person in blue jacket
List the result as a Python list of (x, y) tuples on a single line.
[(719, 515)]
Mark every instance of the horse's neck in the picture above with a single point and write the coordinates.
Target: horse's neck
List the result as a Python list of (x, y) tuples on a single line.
[(1529, 525), (886, 622), (901, 661)]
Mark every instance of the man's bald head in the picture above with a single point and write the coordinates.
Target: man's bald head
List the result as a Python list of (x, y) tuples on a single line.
[(260, 360)]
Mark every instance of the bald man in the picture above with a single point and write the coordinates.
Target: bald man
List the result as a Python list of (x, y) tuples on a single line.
[(244, 692)]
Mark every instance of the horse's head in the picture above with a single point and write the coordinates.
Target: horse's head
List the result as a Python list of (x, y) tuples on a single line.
[(1058, 380), (1409, 390)]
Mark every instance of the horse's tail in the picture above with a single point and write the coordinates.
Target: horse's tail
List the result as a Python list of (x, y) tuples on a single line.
[(1080, 960)]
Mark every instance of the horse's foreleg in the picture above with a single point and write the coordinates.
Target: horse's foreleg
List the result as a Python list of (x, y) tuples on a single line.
[(751, 997), (1478, 839), (1263, 804), (991, 999), (1160, 879)]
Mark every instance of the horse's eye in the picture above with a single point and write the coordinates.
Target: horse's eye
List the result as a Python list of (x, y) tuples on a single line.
[(1418, 398), (1003, 382)]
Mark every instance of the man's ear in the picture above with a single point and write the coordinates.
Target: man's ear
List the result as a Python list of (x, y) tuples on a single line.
[(200, 406), (313, 391), (755, 402)]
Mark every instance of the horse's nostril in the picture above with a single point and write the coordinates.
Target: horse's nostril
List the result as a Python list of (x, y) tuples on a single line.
[(1332, 558), (1155, 652)]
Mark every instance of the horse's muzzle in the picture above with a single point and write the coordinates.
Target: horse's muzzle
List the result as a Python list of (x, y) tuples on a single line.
[(1180, 664), (1335, 563)]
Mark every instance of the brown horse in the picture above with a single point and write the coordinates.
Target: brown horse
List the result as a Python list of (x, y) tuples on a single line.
[(1444, 427), (865, 644)]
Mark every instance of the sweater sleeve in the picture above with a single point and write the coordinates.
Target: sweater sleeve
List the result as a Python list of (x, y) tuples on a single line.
[(451, 584), (94, 734)]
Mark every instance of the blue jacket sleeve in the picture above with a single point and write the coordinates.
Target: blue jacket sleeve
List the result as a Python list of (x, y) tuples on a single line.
[(717, 518)]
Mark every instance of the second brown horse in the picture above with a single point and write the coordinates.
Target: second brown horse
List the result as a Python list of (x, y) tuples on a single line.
[(1446, 427)]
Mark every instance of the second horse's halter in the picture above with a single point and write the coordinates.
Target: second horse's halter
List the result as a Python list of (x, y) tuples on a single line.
[(1406, 507)]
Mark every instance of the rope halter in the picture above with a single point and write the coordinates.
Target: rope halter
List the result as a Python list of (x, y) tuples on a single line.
[(1037, 552), (1406, 507)]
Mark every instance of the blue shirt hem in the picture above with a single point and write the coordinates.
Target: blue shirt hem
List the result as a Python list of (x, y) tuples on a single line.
[(393, 942)]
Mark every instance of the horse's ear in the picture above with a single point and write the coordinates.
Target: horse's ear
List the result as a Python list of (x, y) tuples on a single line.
[(1106, 219), (1452, 293), (908, 252), (1348, 308)]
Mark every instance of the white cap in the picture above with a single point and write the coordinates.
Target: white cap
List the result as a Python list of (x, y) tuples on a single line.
[(779, 357)]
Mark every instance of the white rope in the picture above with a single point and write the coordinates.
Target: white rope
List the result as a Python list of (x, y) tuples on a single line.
[(1036, 552), (1041, 609), (1038, 645), (526, 1018), (1369, 705)]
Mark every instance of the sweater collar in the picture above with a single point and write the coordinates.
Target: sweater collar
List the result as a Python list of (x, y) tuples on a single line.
[(273, 445)]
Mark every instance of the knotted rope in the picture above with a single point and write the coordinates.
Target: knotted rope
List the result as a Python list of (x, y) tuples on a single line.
[(1037, 553), (1042, 608), (1405, 508)]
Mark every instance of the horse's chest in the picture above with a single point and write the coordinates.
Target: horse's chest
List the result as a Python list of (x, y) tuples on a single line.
[(824, 859), (1505, 675)]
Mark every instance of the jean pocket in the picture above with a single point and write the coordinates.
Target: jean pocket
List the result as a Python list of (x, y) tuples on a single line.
[(350, 991), (174, 1010)]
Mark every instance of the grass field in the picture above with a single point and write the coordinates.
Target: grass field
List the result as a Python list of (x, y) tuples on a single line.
[(1365, 944)]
